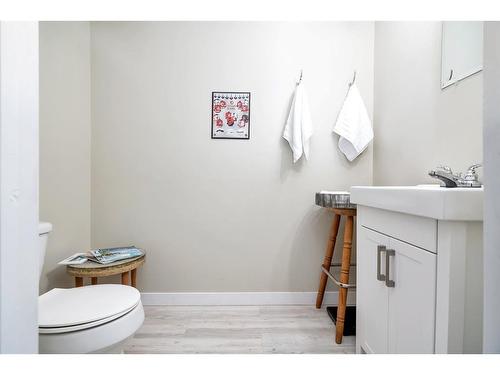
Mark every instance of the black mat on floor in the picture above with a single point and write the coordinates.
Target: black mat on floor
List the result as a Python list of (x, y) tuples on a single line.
[(350, 319)]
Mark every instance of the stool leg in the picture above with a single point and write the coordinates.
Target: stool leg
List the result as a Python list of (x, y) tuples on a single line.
[(344, 278), (125, 278), (330, 246), (133, 275), (78, 281), (93, 280)]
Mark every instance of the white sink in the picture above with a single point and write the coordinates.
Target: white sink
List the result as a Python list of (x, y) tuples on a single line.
[(434, 201)]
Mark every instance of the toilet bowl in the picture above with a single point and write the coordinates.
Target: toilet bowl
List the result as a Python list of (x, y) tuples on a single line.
[(90, 319)]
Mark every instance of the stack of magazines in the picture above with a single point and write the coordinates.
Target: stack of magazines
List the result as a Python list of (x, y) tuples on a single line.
[(104, 256)]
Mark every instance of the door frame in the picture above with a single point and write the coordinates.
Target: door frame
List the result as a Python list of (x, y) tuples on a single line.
[(19, 258)]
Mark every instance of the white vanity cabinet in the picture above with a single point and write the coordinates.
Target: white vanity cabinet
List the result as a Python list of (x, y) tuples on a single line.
[(400, 293), (417, 275)]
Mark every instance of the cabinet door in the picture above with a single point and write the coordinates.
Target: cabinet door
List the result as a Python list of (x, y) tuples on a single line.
[(412, 299), (371, 294)]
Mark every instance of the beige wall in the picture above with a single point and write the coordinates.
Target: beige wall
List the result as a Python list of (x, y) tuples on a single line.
[(64, 143), (219, 215), (417, 125)]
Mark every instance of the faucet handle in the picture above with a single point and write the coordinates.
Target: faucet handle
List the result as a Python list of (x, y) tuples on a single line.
[(444, 168), (472, 168), (471, 174)]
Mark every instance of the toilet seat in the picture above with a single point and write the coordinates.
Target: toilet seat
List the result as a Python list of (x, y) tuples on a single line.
[(109, 337), (74, 309), (90, 319), (78, 327)]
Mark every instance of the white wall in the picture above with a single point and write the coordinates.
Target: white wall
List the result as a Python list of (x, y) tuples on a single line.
[(219, 215), (417, 125), (64, 144), (19, 187), (491, 337)]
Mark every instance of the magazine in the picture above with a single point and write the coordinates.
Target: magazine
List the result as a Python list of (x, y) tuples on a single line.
[(104, 256), (77, 258)]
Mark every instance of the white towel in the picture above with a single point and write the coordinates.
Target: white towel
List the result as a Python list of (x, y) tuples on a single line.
[(298, 128), (353, 125)]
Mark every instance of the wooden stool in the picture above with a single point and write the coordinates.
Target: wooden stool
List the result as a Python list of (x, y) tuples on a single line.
[(345, 266), (95, 270)]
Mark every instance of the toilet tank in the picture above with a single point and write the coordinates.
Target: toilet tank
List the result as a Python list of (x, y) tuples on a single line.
[(44, 229)]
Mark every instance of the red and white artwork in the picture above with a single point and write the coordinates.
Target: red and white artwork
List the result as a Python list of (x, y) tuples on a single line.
[(231, 115)]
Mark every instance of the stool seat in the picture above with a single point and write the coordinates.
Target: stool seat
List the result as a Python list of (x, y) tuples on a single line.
[(343, 283)]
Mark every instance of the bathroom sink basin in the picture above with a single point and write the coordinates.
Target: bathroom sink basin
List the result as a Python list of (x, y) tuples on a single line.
[(434, 201)]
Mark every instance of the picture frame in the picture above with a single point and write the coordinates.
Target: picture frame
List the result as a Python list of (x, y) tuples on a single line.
[(230, 115)]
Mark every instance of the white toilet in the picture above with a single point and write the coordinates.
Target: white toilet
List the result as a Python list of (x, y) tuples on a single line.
[(90, 319)]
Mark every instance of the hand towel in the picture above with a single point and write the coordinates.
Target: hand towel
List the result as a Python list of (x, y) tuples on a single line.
[(298, 128), (353, 125)]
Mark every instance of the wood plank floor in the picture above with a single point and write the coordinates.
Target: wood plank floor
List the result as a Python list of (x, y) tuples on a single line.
[(237, 329)]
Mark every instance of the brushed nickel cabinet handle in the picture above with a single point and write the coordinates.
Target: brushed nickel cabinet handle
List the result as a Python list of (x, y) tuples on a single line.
[(380, 249), (388, 282)]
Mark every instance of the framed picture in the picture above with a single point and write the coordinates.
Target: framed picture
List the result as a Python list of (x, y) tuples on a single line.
[(230, 115)]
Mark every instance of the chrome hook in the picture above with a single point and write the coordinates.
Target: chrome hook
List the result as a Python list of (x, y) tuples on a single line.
[(353, 79)]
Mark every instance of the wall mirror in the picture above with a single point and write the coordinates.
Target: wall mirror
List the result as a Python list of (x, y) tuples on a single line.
[(461, 50)]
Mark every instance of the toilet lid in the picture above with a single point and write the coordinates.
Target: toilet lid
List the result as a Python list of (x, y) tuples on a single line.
[(85, 305)]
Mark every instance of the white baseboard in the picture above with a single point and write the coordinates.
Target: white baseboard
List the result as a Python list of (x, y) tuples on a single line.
[(242, 299)]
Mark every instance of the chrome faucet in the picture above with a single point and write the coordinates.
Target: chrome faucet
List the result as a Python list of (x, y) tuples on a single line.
[(451, 180)]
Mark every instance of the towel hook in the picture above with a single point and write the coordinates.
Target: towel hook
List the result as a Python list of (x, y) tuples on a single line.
[(300, 79), (353, 79)]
